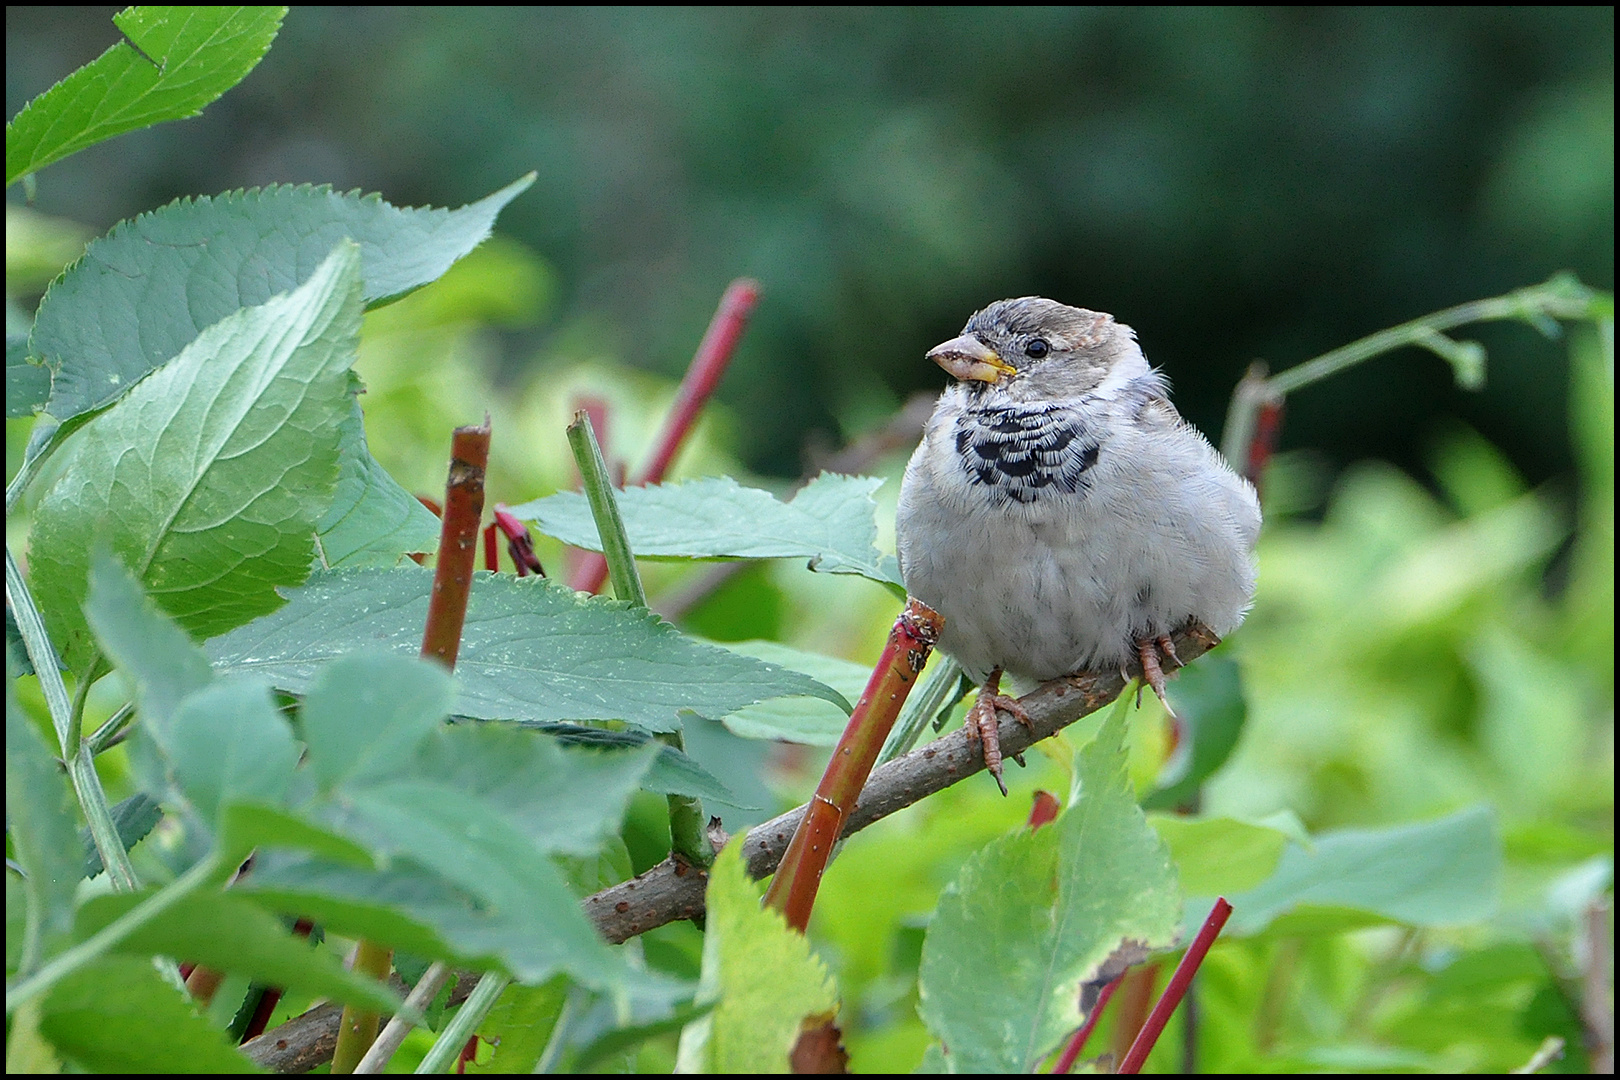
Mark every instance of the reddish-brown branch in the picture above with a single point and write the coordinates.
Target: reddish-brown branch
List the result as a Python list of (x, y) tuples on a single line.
[(793, 889), (1177, 988), (709, 363), (458, 543)]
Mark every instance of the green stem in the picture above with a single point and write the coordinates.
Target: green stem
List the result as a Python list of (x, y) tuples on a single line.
[(688, 836), (357, 1029), (30, 469), (101, 942), (598, 485), (40, 653), (109, 734), (67, 717), (447, 1047), (81, 769), (1561, 297)]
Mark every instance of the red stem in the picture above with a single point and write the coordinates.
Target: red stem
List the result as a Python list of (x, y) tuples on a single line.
[(518, 544), (1177, 988), (492, 558), (793, 889), (458, 543), (708, 365), (1077, 1042)]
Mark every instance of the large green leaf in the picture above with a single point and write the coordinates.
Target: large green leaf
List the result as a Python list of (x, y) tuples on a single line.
[(530, 650), (672, 772), (144, 291), (1436, 873), (1220, 856), (759, 975), (1034, 915), (230, 933), (208, 479), (177, 60), (831, 522), (117, 1015)]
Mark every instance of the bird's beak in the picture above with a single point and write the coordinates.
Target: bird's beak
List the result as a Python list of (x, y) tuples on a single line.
[(967, 357)]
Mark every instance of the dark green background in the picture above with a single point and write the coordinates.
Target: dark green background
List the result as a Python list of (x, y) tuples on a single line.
[(1234, 183)]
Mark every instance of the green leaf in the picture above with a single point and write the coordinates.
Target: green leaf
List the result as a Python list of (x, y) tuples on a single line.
[(622, 1040), (28, 384), (527, 924), (366, 714), (373, 521), (228, 743), (245, 826), (1035, 914), (40, 827), (831, 522), (133, 817), (760, 977), (519, 1026), (208, 478), (801, 720), (672, 772), (176, 61), (1220, 856), (144, 291), (563, 800), (117, 1015), (530, 650), (158, 657), (1438, 873), (1208, 696), (230, 933)]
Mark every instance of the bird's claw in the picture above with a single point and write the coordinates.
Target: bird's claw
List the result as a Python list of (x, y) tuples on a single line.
[(1148, 652), (981, 723)]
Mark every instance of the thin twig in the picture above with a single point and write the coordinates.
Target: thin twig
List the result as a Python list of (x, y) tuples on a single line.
[(1190, 961), (421, 996)]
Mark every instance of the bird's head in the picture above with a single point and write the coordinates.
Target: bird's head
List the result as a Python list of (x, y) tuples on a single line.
[(1036, 347)]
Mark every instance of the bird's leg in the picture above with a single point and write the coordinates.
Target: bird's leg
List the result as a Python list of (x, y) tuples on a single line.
[(981, 722), (1148, 650)]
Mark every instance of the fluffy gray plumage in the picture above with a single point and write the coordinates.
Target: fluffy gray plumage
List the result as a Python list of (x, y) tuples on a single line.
[(1059, 510)]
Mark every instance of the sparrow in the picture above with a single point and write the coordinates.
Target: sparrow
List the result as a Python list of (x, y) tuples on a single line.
[(1060, 514)]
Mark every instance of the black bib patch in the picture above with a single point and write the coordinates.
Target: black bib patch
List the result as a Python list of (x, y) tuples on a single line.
[(1021, 452)]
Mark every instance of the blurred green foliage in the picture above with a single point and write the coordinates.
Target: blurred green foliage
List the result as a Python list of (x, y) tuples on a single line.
[(1233, 182), (1423, 640)]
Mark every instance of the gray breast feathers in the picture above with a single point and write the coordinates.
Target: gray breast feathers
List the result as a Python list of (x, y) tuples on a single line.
[(1022, 452)]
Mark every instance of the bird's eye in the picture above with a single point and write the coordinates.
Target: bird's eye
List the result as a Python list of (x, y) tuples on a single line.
[(1037, 349)]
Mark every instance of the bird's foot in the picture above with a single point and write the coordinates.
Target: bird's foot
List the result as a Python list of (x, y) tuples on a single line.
[(981, 722), (1148, 652)]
